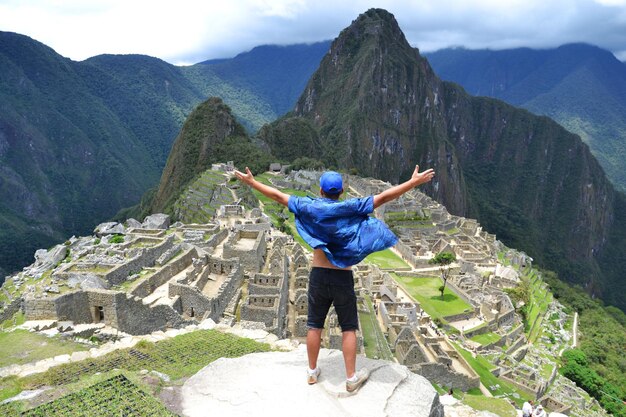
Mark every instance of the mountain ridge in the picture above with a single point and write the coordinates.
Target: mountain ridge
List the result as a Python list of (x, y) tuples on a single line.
[(107, 123), (581, 86), (377, 106)]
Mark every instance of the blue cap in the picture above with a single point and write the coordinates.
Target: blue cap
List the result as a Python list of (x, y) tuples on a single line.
[(331, 182)]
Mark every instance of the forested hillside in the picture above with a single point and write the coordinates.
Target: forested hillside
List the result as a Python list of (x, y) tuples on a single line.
[(81, 140), (582, 87)]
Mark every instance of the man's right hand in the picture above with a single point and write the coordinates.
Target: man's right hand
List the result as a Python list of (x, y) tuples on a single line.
[(266, 190), (246, 178)]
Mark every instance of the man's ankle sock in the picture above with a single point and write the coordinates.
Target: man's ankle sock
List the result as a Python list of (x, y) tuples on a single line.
[(353, 378), (311, 371)]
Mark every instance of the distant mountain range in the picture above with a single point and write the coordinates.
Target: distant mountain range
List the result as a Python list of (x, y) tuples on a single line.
[(81, 140), (580, 86)]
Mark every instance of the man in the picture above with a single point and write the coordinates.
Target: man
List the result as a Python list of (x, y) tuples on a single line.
[(527, 408), (341, 234)]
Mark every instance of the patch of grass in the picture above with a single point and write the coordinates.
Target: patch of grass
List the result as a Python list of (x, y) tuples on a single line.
[(10, 387), (546, 370), (178, 357), (483, 369), (498, 406), (376, 345), (116, 239), (114, 396), (387, 259), (474, 391), (486, 338), (540, 299), (17, 319), (21, 346), (426, 292)]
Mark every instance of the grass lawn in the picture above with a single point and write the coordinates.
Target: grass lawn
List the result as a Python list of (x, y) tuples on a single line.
[(16, 320), (387, 259), (179, 357), (482, 368), (426, 292), (540, 299), (376, 345), (21, 346), (485, 339), (498, 406)]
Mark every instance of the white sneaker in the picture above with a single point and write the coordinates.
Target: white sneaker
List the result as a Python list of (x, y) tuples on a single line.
[(361, 377), (312, 376)]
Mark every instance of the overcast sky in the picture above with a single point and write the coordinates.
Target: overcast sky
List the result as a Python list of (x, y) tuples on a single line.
[(190, 31)]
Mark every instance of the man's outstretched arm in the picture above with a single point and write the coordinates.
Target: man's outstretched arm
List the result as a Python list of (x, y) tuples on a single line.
[(396, 191), (266, 190)]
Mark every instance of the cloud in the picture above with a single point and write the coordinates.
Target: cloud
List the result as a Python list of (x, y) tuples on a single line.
[(188, 31)]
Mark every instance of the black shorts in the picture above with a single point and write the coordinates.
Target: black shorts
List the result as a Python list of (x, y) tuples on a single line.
[(332, 286)]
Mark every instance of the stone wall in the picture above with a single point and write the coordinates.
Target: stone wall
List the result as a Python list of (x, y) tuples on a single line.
[(113, 308), (148, 257), (193, 302), (408, 253), (217, 238), (514, 334), (462, 316), (445, 376), (267, 300), (536, 389), (301, 328), (516, 345), (135, 317), (40, 309), (13, 307), (460, 292), (262, 308), (252, 260), (476, 331), (160, 277)]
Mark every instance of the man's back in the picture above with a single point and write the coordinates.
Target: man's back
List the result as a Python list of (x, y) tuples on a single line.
[(343, 230)]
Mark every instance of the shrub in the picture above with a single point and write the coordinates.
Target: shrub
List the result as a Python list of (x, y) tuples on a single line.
[(116, 239)]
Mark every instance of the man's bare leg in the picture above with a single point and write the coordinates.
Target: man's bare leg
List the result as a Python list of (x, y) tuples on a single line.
[(313, 343), (348, 346)]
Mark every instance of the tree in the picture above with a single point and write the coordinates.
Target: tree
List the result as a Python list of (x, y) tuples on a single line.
[(443, 259)]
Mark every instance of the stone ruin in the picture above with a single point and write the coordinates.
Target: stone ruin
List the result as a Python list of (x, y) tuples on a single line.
[(139, 277)]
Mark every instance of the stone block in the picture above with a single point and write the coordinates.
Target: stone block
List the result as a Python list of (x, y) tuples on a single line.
[(156, 221)]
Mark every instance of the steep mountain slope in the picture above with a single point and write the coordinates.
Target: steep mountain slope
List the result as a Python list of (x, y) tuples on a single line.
[(580, 86), (151, 97), (66, 160), (210, 134), (80, 140), (278, 74), (375, 105)]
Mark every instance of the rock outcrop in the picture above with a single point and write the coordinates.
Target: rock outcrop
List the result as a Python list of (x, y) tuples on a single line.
[(274, 384)]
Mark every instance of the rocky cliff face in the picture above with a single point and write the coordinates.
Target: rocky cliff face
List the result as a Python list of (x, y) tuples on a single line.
[(376, 105), (373, 99)]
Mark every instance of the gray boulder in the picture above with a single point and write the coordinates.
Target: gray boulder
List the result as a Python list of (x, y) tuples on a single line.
[(109, 228), (156, 221), (133, 224), (46, 260), (259, 384), (86, 282)]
